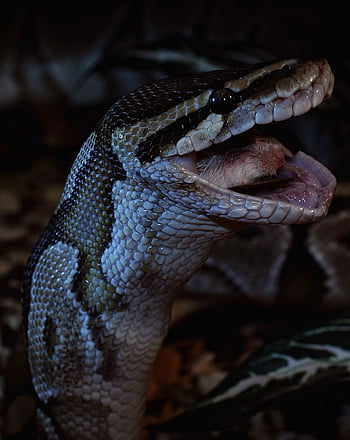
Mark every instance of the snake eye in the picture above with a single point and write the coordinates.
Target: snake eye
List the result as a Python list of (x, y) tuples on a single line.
[(222, 101)]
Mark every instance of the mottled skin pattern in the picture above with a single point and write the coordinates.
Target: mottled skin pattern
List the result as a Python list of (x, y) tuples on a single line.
[(132, 225)]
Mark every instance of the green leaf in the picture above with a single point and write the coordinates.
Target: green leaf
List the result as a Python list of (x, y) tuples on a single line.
[(317, 356)]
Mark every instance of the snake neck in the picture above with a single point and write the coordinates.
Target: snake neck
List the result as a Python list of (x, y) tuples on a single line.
[(116, 298)]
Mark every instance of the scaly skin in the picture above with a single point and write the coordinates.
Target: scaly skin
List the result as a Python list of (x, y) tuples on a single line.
[(136, 220)]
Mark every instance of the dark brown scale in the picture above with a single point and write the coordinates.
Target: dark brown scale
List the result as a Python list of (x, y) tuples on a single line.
[(262, 83), (152, 146), (156, 98), (49, 336), (108, 365)]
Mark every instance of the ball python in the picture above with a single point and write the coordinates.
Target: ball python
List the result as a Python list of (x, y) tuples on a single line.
[(171, 168)]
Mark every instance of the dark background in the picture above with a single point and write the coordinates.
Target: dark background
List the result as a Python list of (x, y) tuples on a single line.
[(63, 65)]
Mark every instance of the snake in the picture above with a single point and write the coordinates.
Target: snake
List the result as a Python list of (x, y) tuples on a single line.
[(171, 168)]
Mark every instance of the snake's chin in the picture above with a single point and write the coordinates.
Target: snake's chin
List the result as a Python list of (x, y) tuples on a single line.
[(259, 165)]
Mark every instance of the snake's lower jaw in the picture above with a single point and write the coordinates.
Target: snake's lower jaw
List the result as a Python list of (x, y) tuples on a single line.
[(299, 191), (308, 184)]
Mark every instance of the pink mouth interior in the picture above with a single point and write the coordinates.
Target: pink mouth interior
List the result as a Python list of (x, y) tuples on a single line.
[(260, 165)]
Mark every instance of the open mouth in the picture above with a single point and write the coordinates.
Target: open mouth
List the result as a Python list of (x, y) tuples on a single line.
[(259, 165), (247, 165)]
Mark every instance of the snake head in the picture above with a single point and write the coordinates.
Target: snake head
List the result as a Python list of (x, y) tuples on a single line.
[(202, 146)]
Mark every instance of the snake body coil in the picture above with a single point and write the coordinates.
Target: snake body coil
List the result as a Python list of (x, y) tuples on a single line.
[(156, 183)]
